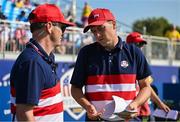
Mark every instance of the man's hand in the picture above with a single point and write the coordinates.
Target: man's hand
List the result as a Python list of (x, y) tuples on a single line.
[(92, 112), (127, 115), (164, 107), (130, 112), (133, 106)]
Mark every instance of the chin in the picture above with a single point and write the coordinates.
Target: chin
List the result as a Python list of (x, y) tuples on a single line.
[(58, 45)]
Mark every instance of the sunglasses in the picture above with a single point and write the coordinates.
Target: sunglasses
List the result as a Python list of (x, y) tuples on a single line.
[(140, 45), (61, 26), (100, 28)]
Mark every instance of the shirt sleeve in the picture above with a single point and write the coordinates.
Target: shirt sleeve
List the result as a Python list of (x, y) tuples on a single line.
[(79, 74), (29, 83), (143, 68)]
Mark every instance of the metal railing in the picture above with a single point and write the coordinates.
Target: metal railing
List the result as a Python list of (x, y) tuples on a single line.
[(14, 35)]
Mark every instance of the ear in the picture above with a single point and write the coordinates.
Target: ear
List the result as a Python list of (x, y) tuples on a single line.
[(49, 27), (114, 24)]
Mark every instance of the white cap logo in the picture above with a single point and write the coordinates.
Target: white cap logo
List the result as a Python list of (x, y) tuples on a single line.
[(96, 16)]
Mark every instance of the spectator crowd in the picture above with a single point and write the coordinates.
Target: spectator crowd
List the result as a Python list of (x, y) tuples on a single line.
[(13, 36)]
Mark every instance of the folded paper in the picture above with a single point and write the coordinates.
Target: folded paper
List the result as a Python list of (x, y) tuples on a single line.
[(118, 105)]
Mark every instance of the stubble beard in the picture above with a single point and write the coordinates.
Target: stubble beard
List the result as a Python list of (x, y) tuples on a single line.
[(109, 45)]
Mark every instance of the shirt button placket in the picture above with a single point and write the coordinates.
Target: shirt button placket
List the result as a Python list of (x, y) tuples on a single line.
[(110, 58)]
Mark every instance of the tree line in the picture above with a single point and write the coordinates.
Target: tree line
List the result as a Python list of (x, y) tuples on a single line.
[(153, 26)]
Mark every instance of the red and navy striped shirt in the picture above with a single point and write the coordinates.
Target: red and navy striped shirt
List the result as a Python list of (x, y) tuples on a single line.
[(107, 73), (34, 81)]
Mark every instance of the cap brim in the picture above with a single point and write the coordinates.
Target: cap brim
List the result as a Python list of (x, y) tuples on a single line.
[(68, 23), (140, 40), (145, 42), (93, 24)]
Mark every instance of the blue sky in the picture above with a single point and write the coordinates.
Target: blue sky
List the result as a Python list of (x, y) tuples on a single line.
[(128, 11)]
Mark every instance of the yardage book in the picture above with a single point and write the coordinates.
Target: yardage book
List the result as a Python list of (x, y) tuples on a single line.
[(172, 114)]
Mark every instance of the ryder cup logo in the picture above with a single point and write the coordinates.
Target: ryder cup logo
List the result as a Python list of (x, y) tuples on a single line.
[(124, 64), (70, 105)]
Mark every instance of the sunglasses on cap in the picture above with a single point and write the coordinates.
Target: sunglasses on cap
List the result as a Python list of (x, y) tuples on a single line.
[(61, 26)]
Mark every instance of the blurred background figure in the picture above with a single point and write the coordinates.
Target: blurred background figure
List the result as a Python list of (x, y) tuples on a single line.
[(144, 110), (22, 17), (4, 35), (20, 37), (19, 3), (85, 14), (27, 4), (136, 38), (174, 37), (2, 16), (173, 34)]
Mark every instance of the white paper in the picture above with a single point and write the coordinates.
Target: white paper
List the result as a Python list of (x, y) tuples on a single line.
[(109, 109), (120, 104)]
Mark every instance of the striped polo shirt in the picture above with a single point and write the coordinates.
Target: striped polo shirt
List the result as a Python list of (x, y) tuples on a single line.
[(34, 81), (107, 73)]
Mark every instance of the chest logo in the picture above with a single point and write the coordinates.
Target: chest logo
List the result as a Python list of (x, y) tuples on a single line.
[(124, 64)]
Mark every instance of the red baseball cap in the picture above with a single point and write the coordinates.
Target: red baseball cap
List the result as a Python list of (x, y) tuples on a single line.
[(135, 37), (48, 13), (98, 17)]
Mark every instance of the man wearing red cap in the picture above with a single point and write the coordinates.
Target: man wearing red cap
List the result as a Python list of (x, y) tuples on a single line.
[(137, 39), (35, 86), (144, 110), (109, 67)]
